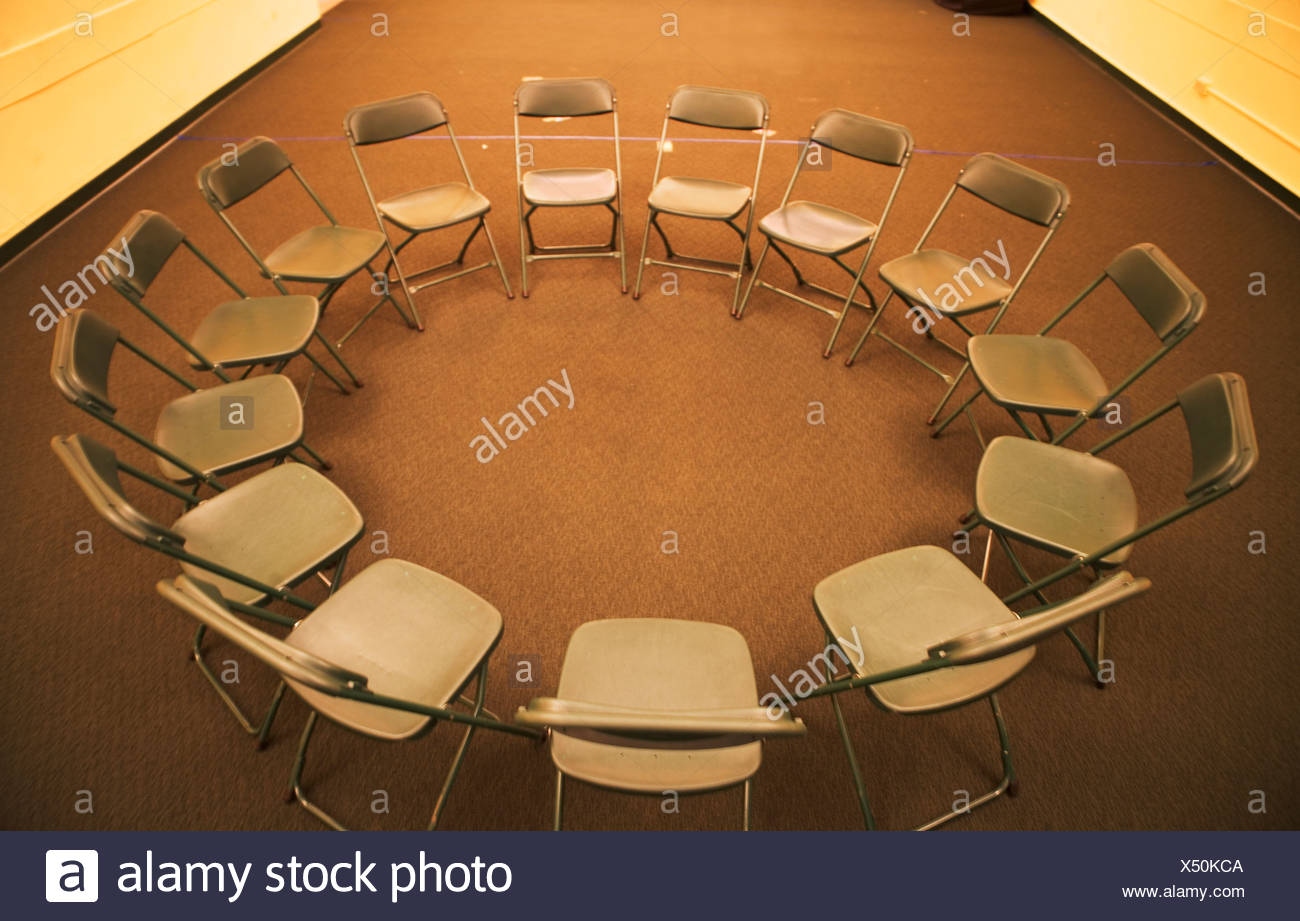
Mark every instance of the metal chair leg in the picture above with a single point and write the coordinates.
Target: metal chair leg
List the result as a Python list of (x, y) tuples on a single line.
[(1008, 784), (758, 265), (956, 412), (871, 327), (640, 263), (496, 258), (745, 823), (329, 347), (863, 802), (559, 801), (952, 388), (261, 730)]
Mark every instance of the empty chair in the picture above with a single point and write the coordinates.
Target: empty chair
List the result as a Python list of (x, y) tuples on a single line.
[(717, 200), (568, 186), (428, 208), (198, 436), (254, 541), (922, 634), (387, 656), (1049, 376), (323, 254), (1083, 507), (240, 333), (939, 285), (824, 230), (646, 705)]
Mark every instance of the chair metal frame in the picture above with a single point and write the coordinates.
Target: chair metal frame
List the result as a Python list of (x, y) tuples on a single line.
[(75, 451), (652, 215), (1020, 631), (1175, 333), (1051, 222), (273, 169), (207, 606), (822, 134), (1205, 488), (529, 250), (80, 395), (408, 124), (135, 286)]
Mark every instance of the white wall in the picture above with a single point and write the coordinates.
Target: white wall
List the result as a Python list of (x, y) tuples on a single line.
[(80, 90), (1230, 66)]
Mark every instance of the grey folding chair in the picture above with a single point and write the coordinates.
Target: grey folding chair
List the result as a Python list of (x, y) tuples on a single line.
[(824, 230), (1081, 506), (570, 186), (387, 656), (194, 440), (425, 209), (254, 541), (324, 254), (918, 277), (1047, 376), (922, 634), (648, 705), (706, 199), (241, 333)]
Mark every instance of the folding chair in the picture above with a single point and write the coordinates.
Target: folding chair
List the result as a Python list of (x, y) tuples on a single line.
[(324, 254), (917, 277), (929, 636), (253, 542), (1046, 375), (1080, 506), (648, 705), (386, 656), (570, 186), (823, 230), (425, 209), (706, 199), (241, 333), (194, 440)]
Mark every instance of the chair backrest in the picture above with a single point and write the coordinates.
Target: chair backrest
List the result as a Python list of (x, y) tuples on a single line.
[(712, 107), (83, 349), (1157, 289), (1018, 633), (565, 97), (391, 119), (150, 239), (202, 601), (231, 178), (1222, 433), (863, 137), (1016, 189), (94, 468)]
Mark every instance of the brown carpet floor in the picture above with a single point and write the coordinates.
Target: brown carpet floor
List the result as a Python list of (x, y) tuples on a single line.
[(685, 421)]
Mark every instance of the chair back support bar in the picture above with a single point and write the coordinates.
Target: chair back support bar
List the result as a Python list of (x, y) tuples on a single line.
[(1017, 189), (564, 98), (1013, 635), (713, 107), (626, 726), (1157, 289), (254, 163), (391, 119), (94, 468), (1222, 434), (863, 137)]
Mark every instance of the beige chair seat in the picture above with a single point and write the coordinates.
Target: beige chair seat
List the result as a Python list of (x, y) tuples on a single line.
[(570, 186), (712, 199), (413, 633), (327, 253), (193, 427), (1036, 374), (433, 207), (275, 527), (896, 607), (657, 664), (930, 269), (254, 330), (1049, 496), (817, 228)]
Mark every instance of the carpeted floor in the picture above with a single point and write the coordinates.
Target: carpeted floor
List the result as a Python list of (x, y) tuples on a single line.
[(683, 420)]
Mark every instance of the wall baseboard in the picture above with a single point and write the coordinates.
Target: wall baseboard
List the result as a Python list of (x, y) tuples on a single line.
[(47, 222), (1252, 173)]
